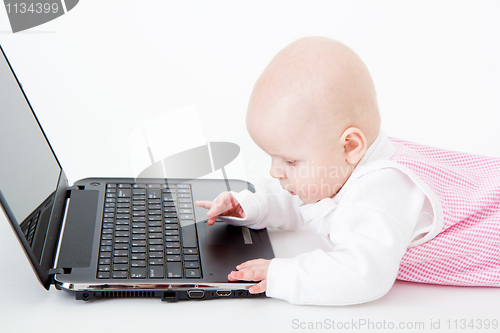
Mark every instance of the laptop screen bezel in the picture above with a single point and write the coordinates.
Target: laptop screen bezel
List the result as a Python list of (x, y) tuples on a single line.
[(56, 209)]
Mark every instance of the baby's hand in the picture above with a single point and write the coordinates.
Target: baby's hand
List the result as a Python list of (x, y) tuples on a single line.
[(224, 205), (253, 270)]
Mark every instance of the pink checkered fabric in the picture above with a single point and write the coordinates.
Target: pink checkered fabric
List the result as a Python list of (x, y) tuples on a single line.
[(467, 250)]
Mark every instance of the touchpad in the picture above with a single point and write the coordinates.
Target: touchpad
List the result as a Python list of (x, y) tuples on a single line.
[(223, 233)]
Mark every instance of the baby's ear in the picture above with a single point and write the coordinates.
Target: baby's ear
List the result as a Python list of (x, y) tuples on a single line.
[(355, 144)]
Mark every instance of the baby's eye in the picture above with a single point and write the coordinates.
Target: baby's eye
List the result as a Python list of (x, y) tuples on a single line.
[(290, 162)]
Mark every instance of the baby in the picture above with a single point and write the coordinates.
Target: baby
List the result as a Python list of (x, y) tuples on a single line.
[(391, 209)]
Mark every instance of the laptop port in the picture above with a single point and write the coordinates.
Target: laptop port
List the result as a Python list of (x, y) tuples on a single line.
[(196, 293), (223, 292)]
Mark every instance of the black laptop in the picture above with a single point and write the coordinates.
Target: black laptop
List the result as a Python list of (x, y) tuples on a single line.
[(114, 237)]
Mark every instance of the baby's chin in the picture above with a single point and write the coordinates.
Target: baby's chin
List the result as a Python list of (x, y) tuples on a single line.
[(311, 200)]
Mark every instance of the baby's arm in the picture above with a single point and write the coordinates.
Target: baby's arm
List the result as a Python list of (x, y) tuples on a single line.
[(370, 231), (270, 206)]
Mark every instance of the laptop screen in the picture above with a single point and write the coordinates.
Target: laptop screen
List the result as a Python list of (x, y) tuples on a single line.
[(29, 171)]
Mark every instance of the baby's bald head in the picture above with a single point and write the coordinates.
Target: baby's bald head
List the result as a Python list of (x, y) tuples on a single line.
[(315, 87)]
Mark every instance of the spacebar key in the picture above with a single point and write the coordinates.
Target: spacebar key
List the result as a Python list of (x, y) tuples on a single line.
[(189, 235)]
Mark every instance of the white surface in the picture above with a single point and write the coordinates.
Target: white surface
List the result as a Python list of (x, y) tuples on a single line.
[(96, 73)]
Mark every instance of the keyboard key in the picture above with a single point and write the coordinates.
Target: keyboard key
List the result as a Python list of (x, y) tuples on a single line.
[(156, 261), (121, 246), (104, 268), (155, 248), (138, 213), (192, 273), (174, 270), (122, 227), (103, 275), (189, 236), (173, 251), (120, 253), (155, 229), (173, 258), (156, 254), (138, 191), (172, 238), (120, 274), (105, 255), (191, 264), (104, 261), (138, 263), (120, 260), (138, 243), (190, 257), (155, 224), (154, 193), (155, 241), (122, 240), (138, 236), (138, 273), (173, 244), (190, 251), (123, 193), (120, 267), (138, 249), (138, 256), (171, 232), (156, 272)]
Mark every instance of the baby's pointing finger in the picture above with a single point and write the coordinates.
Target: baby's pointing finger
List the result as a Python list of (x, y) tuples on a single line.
[(204, 204)]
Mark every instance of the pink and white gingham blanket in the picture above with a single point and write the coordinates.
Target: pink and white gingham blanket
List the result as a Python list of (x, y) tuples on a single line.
[(467, 250)]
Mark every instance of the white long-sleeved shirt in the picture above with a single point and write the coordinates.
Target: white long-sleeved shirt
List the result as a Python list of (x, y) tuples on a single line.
[(379, 212)]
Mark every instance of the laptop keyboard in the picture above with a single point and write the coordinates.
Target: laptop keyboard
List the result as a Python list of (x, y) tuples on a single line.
[(148, 232), (29, 227)]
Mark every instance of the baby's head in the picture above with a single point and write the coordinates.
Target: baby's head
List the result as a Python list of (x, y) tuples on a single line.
[(314, 111)]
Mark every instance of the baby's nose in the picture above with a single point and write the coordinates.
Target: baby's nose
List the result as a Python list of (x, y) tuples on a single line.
[(277, 172)]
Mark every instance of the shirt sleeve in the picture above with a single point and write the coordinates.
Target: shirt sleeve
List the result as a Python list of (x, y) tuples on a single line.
[(370, 230), (269, 207)]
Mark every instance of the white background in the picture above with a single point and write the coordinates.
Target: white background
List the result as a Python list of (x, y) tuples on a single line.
[(96, 73)]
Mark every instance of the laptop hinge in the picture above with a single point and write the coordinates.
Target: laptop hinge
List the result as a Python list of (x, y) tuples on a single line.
[(72, 188), (54, 271)]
